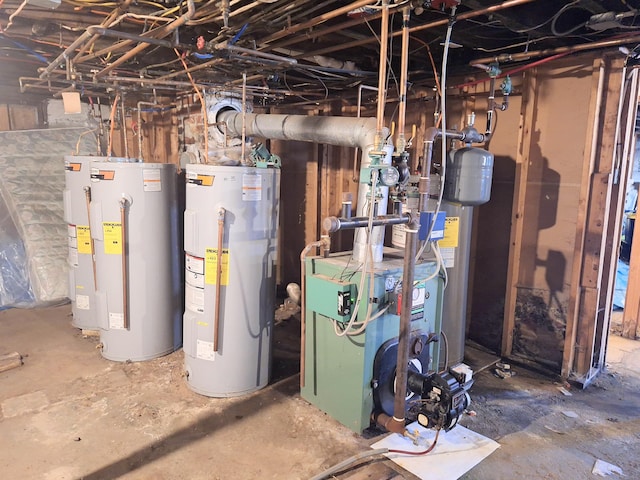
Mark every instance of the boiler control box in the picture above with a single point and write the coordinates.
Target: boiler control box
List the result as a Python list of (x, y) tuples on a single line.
[(325, 289)]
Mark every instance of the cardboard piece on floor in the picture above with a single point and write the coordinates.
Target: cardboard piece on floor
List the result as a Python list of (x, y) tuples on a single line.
[(456, 452)]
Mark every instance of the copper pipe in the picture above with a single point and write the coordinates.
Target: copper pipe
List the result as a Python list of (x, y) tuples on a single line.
[(87, 196), (514, 57), (404, 73), (426, 26), (382, 74), (158, 33), (125, 272), (216, 320), (316, 21)]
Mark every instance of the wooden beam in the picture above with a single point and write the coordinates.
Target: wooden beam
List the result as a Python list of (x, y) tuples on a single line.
[(527, 120), (576, 294), (9, 361)]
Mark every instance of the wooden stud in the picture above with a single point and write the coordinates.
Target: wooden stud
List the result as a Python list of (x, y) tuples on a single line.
[(527, 117), (591, 138)]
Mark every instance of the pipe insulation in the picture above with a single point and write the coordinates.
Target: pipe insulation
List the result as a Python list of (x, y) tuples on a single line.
[(339, 131)]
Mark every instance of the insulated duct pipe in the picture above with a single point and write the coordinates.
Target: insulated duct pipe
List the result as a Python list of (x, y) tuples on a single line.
[(339, 131)]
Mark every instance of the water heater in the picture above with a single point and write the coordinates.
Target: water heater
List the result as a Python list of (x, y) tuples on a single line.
[(82, 278), (230, 242), (135, 228)]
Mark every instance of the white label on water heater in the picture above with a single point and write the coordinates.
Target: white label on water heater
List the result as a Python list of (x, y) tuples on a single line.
[(251, 188), (73, 256), (194, 298), (71, 230), (116, 321), (448, 257), (82, 302), (204, 350), (194, 264), (151, 180)]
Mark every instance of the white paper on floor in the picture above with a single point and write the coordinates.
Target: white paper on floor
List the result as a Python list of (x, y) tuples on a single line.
[(456, 452)]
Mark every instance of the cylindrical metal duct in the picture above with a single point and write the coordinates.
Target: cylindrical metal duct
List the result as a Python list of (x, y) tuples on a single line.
[(81, 265), (142, 320), (244, 202)]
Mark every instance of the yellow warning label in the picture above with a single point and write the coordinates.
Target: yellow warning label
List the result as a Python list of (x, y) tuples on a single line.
[(211, 265), (451, 233), (83, 232), (112, 232), (203, 180)]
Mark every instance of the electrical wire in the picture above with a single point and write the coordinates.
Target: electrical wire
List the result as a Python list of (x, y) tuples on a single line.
[(433, 64), (368, 258), (443, 117), (569, 6)]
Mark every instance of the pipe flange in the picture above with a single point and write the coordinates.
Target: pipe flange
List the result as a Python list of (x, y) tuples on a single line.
[(217, 103)]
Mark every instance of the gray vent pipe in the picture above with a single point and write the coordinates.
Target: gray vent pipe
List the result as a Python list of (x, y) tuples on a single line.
[(340, 131)]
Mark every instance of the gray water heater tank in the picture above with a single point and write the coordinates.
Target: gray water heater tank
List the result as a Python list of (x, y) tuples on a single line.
[(468, 176), (80, 259), (232, 215), (138, 303)]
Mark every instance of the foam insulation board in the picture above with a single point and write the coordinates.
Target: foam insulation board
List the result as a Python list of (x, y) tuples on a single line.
[(31, 185)]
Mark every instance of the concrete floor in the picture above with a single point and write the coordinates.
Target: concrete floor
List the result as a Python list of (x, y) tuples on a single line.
[(69, 414)]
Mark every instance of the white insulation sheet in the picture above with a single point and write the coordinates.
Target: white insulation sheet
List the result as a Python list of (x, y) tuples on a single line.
[(31, 184)]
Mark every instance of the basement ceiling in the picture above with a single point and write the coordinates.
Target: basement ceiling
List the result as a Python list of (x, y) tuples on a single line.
[(287, 51)]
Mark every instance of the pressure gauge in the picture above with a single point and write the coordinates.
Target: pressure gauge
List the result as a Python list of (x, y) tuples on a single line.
[(389, 176)]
